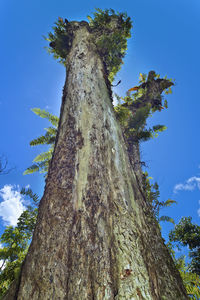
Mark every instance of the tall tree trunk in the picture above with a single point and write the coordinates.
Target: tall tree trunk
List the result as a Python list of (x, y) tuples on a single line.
[(95, 237)]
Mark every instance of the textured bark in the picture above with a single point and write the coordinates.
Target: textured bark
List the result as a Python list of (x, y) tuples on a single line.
[(95, 237)]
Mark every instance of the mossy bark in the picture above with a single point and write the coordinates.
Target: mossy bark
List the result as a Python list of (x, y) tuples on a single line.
[(95, 237)]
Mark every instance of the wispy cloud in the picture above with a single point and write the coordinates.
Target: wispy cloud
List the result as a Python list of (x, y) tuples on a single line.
[(189, 185), (11, 205)]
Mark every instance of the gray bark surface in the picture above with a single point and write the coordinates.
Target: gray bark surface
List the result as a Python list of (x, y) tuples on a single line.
[(95, 237)]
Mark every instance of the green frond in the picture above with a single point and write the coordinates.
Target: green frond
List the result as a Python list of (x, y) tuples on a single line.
[(192, 284), (166, 219), (41, 161), (138, 120), (122, 113), (46, 115), (144, 135), (46, 139), (41, 140), (169, 202), (32, 169), (112, 44), (159, 128), (52, 131), (28, 192), (44, 156), (43, 166)]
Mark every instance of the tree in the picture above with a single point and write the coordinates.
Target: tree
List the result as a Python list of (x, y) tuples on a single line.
[(186, 233), (15, 242), (95, 236), (191, 280)]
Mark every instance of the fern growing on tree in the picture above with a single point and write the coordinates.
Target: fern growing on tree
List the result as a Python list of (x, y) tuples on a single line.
[(41, 161)]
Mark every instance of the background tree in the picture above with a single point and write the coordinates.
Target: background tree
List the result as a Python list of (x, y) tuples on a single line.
[(186, 233), (191, 280), (15, 242), (94, 228)]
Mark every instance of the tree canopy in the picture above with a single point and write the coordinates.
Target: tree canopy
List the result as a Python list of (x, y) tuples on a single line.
[(110, 31)]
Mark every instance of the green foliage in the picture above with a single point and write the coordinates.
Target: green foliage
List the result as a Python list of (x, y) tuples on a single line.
[(159, 128), (43, 156), (111, 31), (47, 139), (46, 115), (32, 169), (15, 242), (41, 161), (186, 233), (10, 272), (191, 280), (152, 195), (166, 218), (27, 220), (29, 193), (138, 118), (123, 114), (139, 104), (60, 40)]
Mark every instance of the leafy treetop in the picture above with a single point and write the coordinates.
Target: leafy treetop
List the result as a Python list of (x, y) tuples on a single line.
[(109, 30), (141, 101)]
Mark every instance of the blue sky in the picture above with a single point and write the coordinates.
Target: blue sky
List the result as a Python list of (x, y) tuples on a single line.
[(165, 38)]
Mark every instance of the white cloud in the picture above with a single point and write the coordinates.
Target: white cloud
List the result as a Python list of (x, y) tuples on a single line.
[(195, 180), (184, 186), (115, 100), (12, 205), (191, 184)]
